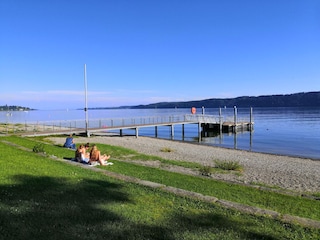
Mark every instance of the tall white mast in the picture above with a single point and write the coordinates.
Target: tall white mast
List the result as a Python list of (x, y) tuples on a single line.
[(86, 98)]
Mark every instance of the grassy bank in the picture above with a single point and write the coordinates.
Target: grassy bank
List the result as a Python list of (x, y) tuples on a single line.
[(43, 198)]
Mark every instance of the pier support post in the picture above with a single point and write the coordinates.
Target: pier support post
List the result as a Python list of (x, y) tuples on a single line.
[(220, 121), (251, 120), (199, 132), (250, 141), (235, 141), (137, 132), (182, 131), (235, 119), (172, 131), (156, 131)]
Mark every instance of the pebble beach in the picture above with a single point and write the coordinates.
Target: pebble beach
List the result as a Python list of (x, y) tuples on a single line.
[(289, 173)]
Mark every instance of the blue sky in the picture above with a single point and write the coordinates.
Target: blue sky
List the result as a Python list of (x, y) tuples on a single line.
[(144, 51)]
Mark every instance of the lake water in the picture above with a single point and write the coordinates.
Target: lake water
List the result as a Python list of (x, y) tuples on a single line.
[(285, 131)]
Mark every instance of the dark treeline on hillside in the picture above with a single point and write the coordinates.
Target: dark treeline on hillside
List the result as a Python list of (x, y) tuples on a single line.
[(14, 108), (308, 99)]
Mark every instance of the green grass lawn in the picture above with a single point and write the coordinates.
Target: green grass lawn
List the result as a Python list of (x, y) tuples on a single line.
[(41, 198)]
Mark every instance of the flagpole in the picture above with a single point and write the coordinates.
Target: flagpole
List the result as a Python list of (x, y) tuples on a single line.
[(86, 99)]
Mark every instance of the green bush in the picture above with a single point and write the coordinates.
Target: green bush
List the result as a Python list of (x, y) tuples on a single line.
[(228, 165), (205, 171), (38, 148)]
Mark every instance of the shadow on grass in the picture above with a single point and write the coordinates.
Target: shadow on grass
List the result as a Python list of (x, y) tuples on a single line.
[(218, 222), (45, 207), (55, 208)]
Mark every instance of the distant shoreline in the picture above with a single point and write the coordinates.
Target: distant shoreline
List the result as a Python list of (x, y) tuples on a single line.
[(302, 99)]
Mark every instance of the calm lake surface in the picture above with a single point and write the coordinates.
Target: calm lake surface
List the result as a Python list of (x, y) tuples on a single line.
[(285, 131)]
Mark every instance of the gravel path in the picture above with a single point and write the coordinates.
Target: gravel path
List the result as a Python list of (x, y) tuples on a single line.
[(298, 174)]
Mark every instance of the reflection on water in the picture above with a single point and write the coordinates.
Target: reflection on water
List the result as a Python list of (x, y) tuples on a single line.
[(239, 140)]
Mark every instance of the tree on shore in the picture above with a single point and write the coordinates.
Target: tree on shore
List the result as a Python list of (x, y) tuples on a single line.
[(14, 108)]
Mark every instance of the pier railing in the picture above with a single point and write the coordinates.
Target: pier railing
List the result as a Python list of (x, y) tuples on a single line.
[(64, 125), (202, 118), (147, 120), (214, 119)]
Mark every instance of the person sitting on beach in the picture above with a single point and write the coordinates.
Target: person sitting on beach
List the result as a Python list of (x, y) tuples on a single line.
[(69, 143), (81, 155), (95, 156), (86, 155), (87, 146), (77, 155)]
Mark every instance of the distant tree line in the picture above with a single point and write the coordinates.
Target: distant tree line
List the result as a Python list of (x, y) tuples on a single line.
[(304, 99), (14, 108)]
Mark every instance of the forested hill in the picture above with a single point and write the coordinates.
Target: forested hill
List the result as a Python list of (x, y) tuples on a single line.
[(305, 99)]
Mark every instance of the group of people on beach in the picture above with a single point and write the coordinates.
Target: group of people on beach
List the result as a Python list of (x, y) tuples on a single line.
[(91, 157), (84, 155)]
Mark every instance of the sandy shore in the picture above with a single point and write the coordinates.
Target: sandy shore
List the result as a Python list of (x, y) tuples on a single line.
[(298, 174)]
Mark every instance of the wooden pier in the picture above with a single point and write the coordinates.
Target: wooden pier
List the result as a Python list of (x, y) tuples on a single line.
[(206, 123)]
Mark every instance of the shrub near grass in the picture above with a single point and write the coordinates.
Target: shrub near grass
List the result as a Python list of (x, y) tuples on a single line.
[(38, 148), (45, 199), (222, 165), (228, 165), (205, 171)]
